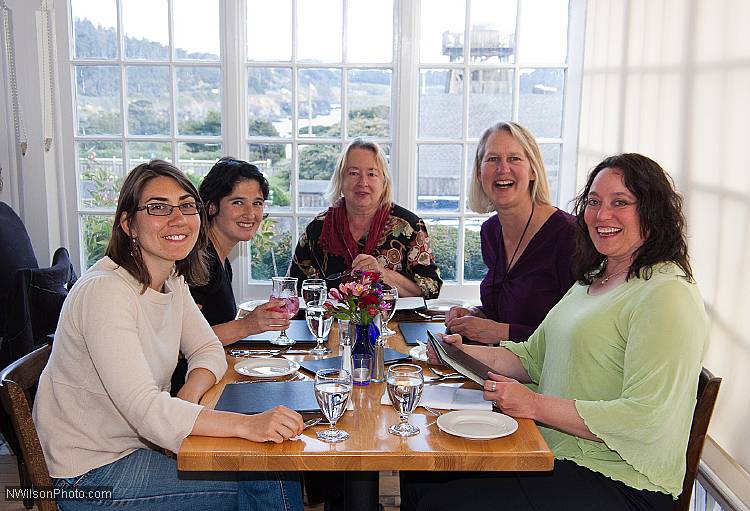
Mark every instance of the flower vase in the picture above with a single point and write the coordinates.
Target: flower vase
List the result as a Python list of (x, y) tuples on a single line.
[(364, 337)]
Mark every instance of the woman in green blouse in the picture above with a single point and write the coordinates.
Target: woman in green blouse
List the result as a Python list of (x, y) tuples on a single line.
[(611, 374)]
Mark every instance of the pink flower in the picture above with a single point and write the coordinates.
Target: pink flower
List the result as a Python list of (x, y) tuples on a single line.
[(372, 311), (334, 293)]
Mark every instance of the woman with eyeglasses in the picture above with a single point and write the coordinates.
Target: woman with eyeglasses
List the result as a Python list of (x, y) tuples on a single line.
[(103, 404), (527, 246), (364, 230)]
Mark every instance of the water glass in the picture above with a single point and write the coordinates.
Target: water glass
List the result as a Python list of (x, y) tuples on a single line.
[(319, 324), (314, 290), (390, 296), (285, 288), (332, 390), (361, 368), (344, 335), (404, 384)]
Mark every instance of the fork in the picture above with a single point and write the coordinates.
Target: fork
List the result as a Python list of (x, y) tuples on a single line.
[(452, 376), (311, 422), (338, 275), (436, 413)]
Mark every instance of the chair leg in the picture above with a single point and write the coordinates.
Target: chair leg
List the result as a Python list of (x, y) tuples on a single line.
[(25, 480)]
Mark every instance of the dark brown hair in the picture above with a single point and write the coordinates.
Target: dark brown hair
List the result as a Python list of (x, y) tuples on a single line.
[(660, 211), (120, 249)]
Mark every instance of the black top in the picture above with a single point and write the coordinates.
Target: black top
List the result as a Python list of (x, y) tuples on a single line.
[(404, 246), (216, 297), (15, 248)]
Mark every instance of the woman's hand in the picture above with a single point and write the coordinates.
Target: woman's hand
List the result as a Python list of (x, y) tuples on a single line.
[(266, 317), (364, 262), (275, 425), (455, 340), (478, 329), (510, 396), (455, 313)]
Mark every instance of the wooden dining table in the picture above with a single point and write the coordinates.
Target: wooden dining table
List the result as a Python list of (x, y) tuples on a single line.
[(370, 448)]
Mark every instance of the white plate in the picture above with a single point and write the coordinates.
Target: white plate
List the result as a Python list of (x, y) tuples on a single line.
[(441, 305), (477, 424), (266, 367), (419, 352)]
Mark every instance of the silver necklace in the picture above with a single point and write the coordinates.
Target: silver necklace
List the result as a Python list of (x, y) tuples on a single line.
[(606, 279)]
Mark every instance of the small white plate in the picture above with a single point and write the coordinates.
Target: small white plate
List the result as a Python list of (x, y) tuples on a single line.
[(419, 353), (442, 306), (266, 367), (477, 424)]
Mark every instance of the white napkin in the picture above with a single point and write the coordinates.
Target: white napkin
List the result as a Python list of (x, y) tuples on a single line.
[(449, 397)]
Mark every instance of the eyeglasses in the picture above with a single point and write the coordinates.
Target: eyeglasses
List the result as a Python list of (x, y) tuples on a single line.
[(161, 209)]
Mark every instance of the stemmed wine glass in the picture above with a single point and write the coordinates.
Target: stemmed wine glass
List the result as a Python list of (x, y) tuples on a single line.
[(285, 288), (314, 290), (332, 390), (404, 383), (390, 296), (319, 325)]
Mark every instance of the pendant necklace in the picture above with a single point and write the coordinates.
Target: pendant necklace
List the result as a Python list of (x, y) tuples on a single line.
[(520, 240)]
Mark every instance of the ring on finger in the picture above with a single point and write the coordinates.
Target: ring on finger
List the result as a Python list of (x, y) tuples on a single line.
[(494, 404), (493, 387)]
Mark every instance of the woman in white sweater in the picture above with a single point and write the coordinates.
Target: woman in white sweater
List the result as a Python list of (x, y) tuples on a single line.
[(103, 402)]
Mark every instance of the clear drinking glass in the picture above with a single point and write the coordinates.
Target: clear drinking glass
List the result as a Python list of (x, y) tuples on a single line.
[(319, 325), (332, 390), (390, 296), (404, 384), (285, 288), (314, 290)]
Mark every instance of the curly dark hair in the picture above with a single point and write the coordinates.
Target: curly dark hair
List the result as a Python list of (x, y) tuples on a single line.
[(221, 179), (120, 248), (660, 211)]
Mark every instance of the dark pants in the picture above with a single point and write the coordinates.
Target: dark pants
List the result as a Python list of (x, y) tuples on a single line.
[(569, 486)]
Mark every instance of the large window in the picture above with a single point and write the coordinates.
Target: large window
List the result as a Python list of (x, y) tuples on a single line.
[(286, 84)]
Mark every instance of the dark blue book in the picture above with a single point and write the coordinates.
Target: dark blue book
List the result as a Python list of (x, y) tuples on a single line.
[(415, 332), (251, 398)]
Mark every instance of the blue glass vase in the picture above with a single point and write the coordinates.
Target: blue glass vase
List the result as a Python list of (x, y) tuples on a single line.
[(364, 336)]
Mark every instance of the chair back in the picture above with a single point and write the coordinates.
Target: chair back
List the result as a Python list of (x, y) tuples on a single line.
[(708, 389), (18, 383)]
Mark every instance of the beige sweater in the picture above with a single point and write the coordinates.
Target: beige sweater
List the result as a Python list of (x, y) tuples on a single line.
[(105, 390)]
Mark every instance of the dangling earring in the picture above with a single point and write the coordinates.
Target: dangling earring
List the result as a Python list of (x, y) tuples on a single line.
[(134, 248)]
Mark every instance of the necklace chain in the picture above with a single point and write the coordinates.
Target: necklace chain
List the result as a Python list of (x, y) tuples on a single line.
[(606, 279), (520, 240)]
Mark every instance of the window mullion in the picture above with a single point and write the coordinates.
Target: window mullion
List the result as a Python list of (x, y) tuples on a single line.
[(407, 93)]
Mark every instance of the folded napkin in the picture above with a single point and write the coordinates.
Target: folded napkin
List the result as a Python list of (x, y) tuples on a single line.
[(449, 397)]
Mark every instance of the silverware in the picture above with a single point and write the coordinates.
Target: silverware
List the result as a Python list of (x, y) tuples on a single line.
[(454, 376), (255, 353), (438, 372), (436, 413), (312, 422), (338, 275), (296, 377), (440, 317)]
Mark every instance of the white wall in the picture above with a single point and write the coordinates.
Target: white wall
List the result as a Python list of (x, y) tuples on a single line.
[(671, 79)]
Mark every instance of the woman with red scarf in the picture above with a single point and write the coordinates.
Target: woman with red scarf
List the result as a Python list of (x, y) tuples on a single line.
[(364, 230)]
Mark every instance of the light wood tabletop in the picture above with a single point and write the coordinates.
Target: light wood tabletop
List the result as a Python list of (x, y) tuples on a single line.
[(370, 446)]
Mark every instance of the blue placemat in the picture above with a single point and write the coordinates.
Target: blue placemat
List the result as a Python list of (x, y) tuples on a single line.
[(389, 356), (297, 330), (418, 331)]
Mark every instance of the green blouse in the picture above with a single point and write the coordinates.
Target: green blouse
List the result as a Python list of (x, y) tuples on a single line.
[(630, 358)]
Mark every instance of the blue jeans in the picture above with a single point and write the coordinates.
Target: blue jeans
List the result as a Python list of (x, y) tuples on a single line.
[(147, 479)]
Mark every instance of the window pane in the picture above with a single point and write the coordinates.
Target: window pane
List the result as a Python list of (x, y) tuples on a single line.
[(302, 223), (444, 241), (442, 31), (490, 99), (95, 233), (269, 41), (98, 100), (439, 170), (142, 152), (544, 31), (148, 105), (540, 105), (551, 157), (101, 174), (493, 30), (441, 102), (196, 159), (269, 102), (316, 165), (319, 102), (271, 248), (196, 29), (146, 27), (199, 101), (369, 102), (94, 29), (319, 30), (369, 31), (275, 161), (474, 268)]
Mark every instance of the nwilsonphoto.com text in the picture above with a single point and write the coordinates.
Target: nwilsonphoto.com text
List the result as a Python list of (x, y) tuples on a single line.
[(18, 494)]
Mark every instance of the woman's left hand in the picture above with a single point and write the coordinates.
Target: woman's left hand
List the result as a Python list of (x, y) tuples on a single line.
[(364, 262), (510, 396), (478, 329)]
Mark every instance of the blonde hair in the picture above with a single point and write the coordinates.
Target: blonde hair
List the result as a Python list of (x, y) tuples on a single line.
[(477, 199), (334, 192)]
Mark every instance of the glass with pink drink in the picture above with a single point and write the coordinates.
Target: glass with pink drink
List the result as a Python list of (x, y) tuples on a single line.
[(285, 289)]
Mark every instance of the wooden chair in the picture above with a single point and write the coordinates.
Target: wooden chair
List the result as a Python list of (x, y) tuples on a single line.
[(708, 389), (18, 384)]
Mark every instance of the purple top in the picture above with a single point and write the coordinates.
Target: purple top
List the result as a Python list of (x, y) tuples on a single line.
[(538, 279)]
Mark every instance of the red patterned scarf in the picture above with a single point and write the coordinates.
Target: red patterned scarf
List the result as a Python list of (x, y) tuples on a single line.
[(336, 237)]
